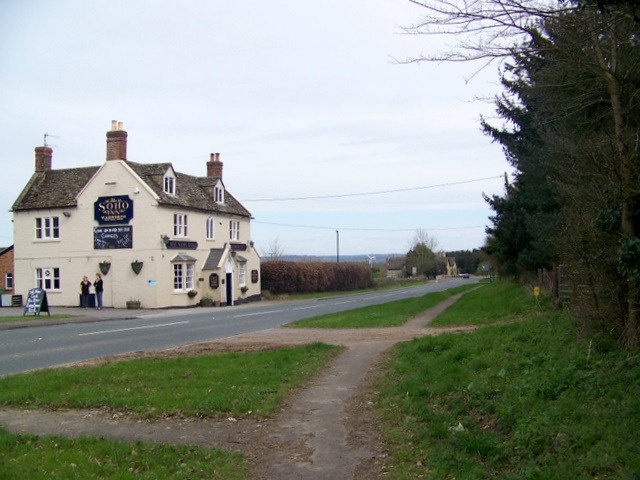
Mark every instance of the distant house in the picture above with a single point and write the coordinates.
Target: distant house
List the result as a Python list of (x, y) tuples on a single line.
[(6, 269), (157, 236), (396, 266), (450, 269)]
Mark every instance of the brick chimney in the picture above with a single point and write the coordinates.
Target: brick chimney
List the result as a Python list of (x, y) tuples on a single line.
[(214, 166), (116, 142), (43, 159)]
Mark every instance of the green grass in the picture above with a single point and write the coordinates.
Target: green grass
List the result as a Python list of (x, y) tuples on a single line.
[(498, 302), (392, 314), (381, 285), (21, 318), (230, 384), (40, 458), (524, 400)]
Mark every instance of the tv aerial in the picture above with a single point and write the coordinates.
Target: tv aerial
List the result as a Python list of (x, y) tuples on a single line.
[(48, 135)]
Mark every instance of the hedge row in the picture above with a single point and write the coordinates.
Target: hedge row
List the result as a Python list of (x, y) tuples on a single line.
[(308, 277)]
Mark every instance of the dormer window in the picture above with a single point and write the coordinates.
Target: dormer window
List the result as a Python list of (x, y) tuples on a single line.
[(169, 184), (218, 194)]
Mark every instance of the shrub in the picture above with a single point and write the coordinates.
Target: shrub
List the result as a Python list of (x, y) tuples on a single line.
[(309, 277)]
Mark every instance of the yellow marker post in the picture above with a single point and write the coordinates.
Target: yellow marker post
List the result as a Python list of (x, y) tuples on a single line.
[(536, 291)]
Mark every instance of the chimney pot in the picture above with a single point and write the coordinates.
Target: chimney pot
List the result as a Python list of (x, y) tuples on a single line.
[(114, 124), (43, 159), (116, 142), (214, 166)]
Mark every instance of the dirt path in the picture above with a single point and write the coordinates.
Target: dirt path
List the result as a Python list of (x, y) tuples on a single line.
[(324, 431)]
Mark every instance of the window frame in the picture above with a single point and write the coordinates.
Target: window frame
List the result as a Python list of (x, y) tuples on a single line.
[(210, 228), (183, 277), (234, 230), (180, 225), (8, 281), (54, 282), (47, 228), (169, 184), (242, 274), (218, 194)]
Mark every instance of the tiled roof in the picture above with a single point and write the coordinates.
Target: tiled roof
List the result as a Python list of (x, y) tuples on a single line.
[(54, 188), (213, 259), (191, 192), (396, 263), (60, 188)]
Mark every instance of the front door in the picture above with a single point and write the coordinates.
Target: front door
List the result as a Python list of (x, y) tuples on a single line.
[(229, 284)]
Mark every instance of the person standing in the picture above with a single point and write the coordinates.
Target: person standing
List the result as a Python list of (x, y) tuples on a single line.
[(85, 285), (98, 286)]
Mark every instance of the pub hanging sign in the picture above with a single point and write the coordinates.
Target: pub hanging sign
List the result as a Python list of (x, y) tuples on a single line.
[(113, 209)]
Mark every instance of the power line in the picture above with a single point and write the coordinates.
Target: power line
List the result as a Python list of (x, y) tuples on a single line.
[(380, 192), (317, 227)]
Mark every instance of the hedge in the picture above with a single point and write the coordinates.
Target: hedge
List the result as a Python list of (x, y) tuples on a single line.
[(309, 277)]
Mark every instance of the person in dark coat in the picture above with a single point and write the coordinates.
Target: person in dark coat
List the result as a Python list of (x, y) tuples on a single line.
[(85, 285), (99, 287)]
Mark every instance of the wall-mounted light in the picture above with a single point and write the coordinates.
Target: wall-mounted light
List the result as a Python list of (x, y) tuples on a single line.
[(136, 190), (165, 239), (66, 214)]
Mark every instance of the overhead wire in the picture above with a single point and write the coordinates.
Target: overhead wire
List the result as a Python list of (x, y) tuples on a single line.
[(378, 192)]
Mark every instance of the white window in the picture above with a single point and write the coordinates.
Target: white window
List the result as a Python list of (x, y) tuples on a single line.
[(180, 225), (8, 281), (48, 278), (211, 228), (169, 185), (218, 194), (183, 274), (242, 275), (47, 228), (234, 230)]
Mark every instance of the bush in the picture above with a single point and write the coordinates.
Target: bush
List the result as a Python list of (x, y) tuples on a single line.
[(310, 277)]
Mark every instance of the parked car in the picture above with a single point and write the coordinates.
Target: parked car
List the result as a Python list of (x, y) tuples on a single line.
[(464, 275)]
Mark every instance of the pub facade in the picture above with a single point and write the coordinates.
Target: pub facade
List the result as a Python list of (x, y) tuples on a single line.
[(157, 236)]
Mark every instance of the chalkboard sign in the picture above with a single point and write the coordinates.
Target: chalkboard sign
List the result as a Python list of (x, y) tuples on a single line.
[(105, 238), (36, 302)]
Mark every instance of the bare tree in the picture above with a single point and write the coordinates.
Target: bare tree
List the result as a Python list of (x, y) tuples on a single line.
[(275, 251), (422, 237)]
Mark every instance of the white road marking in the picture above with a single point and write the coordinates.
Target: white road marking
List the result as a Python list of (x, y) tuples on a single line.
[(258, 313), (132, 328)]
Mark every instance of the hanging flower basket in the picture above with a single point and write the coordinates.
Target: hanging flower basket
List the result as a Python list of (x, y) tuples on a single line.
[(104, 267), (136, 267), (192, 293)]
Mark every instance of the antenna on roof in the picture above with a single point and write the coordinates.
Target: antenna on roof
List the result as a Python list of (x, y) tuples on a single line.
[(47, 135)]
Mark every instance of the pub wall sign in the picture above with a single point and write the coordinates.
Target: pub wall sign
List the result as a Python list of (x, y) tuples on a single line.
[(113, 209)]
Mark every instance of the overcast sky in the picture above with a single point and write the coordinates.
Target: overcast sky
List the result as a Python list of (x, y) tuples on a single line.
[(301, 99)]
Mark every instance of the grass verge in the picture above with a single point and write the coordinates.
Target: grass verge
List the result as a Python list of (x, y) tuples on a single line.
[(525, 400), (25, 318), (40, 458), (229, 384), (392, 314)]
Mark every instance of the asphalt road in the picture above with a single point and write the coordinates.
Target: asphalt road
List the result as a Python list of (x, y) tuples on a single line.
[(47, 346)]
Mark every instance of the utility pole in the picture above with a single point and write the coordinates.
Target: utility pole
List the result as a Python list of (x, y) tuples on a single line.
[(337, 246)]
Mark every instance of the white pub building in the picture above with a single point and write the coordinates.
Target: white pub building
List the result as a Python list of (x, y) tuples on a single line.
[(156, 236)]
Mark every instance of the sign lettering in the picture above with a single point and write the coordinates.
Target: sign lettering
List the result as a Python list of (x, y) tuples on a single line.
[(116, 209)]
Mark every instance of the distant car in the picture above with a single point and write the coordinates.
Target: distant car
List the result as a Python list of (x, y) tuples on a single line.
[(464, 275)]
